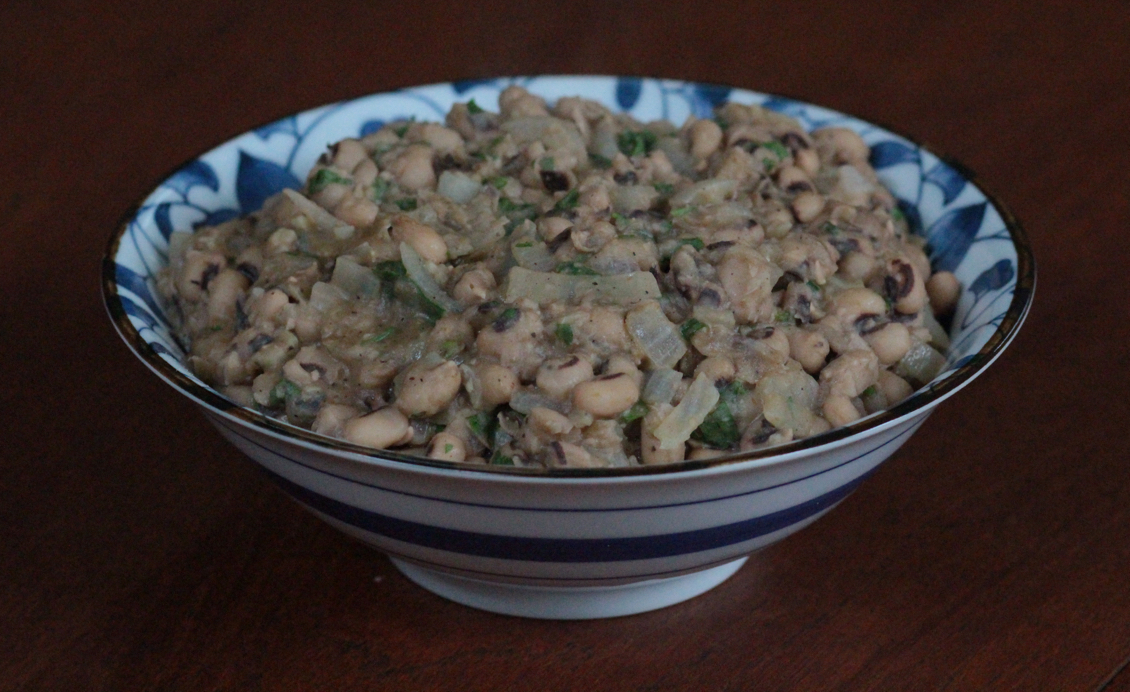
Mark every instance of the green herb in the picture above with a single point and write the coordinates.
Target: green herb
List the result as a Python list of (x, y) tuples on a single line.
[(870, 391), (574, 269), (325, 177), (216, 328), (569, 201), (691, 327), (783, 316), (813, 285), (720, 122), (449, 348), (473, 107), (897, 215), (499, 181), (282, 391), (524, 244), (380, 188), (379, 336), (406, 204), (480, 426), (636, 143), (400, 130), (565, 333), (769, 164), (431, 309), (637, 411), (665, 189), (509, 206), (830, 228), (390, 271), (719, 429), (600, 161), (547, 163), (681, 211), (499, 459), (508, 317), (448, 447), (619, 219), (696, 243), (779, 150)]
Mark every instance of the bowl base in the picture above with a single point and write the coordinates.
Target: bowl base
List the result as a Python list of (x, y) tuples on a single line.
[(568, 602)]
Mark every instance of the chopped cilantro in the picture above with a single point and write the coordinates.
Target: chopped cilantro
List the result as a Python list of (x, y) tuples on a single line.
[(565, 333), (379, 336), (547, 163), (499, 181), (406, 204), (830, 228), (897, 214), (813, 285), (524, 244), (282, 391), (636, 143), (380, 188), (569, 201), (449, 348), (473, 107), (448, 447), (783, 316), (390, 271), (326, 177), (870, 391), (665, 189), (681, 211), (769, 164), (719, 429), (401, 130), (574, 269), (696, 243), (216, 328), (637, 411), (619, 219), (509, 206), (600, 161), (691, 327), (779, 150), (499, 459)]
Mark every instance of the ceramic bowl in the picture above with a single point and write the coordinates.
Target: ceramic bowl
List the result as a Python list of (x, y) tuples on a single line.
[(568, 543)]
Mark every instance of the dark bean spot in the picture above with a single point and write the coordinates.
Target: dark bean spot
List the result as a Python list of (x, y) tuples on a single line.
[(314, 367), (489, 306), (763, 433), (207, 275), (555, 181), (558, 240), (901, 282), (613, 376), (241, 321), (799, 186), (802, 310), (762, 333), (903, 317), (721, 245), (249, 270), (259, 342), (506, 320), (569, 363), (626, 178), (558, 452), (793, 141), (867, 324), (843, 245), (710, 298)]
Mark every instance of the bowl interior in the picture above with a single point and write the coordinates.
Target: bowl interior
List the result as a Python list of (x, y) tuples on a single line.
[(967, 231)]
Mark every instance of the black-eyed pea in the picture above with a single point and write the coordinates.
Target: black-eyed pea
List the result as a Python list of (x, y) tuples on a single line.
[(547, 423), (890, 342), (413, 168), (446, 447), (558, 377), (851, 304), (200, 268), (807, 205), (851, 373), (427, 391), (843, 145), (717, 368), (606, 396), (497, 383), (905, 286), (424, 239), (356, 211), (444, 140), (348, 153), (809, 348), (705, 138), (839, 410), (331, 419), (474, 287), (808, 161), (623, 363), (551, 227), (893, 387), (223, 291), (365, 173), (283, 240), (596, 198), (567, 454), (381, 429), (943, 289), (857, 265), (516, 102)]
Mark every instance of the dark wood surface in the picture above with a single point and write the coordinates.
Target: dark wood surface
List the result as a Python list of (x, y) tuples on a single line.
[(138, 551)]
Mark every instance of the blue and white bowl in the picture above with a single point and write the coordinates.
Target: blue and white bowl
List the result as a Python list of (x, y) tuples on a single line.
[(568, 543)]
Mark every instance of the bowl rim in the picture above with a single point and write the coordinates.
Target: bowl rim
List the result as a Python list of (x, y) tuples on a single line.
[(920, 402)]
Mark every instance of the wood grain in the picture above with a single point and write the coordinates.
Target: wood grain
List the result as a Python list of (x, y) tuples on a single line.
[(141, 552)]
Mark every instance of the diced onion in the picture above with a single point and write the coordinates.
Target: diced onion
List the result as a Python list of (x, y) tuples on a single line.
[(524, 401), (548, 287), (655, 335), (324, 296), (418, 273), (535, 257), (938, 337), (353, 278), (696, 405), (321, 218), (711, 191), (920, 365), (661, 386), (457, 186)]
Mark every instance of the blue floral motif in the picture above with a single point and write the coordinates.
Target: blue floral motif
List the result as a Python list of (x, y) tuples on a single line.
[(137, 285), (193, 174), (257, 179), (370, 126), (462, 87), (993, 278), (892, 153), (948, 179), (161, 217), (951, 235), (286, 126), (628, 92), (707, 97)]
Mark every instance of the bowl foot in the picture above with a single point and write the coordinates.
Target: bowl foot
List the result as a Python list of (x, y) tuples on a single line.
[(568, 602)]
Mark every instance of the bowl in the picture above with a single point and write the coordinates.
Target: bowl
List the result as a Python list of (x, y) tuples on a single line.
[(569, 543)]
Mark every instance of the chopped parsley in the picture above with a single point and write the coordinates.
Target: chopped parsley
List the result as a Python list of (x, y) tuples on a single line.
[(569, 201), (783, 316), (390, 271), (547, 163), (500, 459), (498, 182), (448, 447), (281, 392), (380, 188), (813, 285), (449, 348), (509, 206), (473, 107), (870, 391), (379, 336), (830, 228), (600, 161), (564, 332), (636, 143), (719, 430), (779, 150), (681, 211), (696, 243), (406, 204), (401, 130), (665, 189), (326, 177), (691, 327), (526, 243), (637, 411)]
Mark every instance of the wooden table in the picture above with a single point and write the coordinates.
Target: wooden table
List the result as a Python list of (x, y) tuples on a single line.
[(141, 552)]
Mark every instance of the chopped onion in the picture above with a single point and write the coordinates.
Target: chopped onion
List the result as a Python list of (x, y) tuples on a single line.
[(548, 287), (629, 198), (324, 296), (457, 186), (938, 337), (684, 419), (353, 278), (535, 257), (655, 335), (414, 266), (321, 218), (524, 401), (661, 386), (921, 364), (710, 191)]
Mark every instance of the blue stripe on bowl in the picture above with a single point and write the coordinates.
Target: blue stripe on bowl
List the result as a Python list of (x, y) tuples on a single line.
[(532, 549)]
